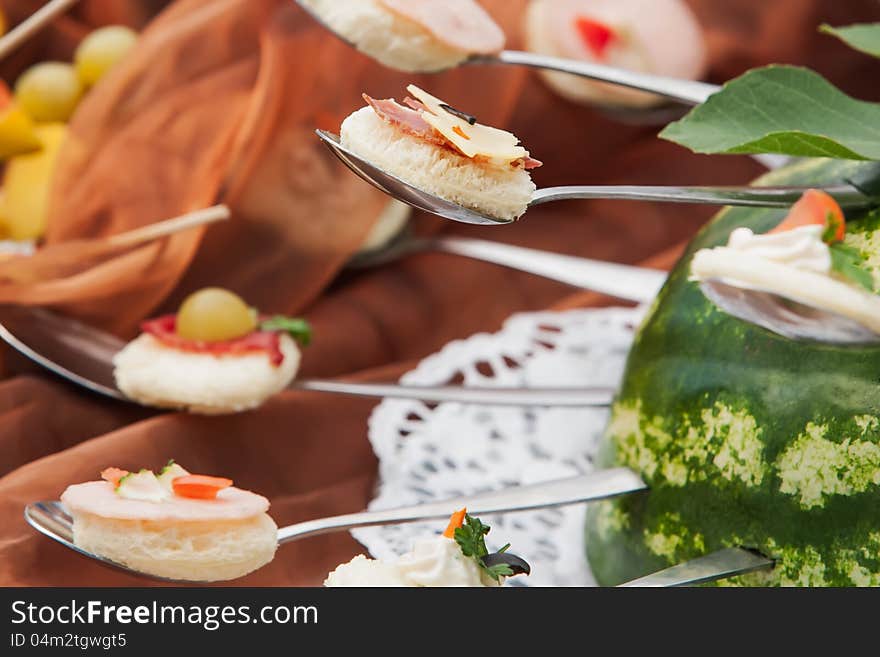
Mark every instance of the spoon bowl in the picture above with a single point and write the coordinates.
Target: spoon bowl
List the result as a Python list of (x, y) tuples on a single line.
[(787, 317), (402, 190)]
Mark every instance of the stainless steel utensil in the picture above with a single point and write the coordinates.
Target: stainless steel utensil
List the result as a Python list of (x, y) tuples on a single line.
[(52, 519), (717, 565), (687, 92), (777, 197), (84, 355), (787, 317), (638, 284)]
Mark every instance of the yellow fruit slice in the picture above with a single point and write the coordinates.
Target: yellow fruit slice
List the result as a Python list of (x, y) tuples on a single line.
[(49, 91), (25, 208), (102, 50), (17, 132)]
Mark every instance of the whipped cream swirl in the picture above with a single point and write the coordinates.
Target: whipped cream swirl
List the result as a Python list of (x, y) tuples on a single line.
[(801, 248), (436, 561)]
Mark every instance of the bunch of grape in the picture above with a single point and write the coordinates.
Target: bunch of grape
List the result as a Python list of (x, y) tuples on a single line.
[(33, 125), (50, 91)]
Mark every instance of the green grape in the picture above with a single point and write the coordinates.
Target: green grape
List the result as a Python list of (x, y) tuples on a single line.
[(48, 91), (213, 314), (101, 50)]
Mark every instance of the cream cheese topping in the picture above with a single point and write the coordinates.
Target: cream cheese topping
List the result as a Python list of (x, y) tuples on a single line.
[(801, 248), (795, 264), (439, 562), (436, 561)]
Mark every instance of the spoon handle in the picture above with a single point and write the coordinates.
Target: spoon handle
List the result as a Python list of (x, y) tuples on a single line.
[(557, 397), (638, 284), (722, 564), (33, 24), (599, 485), (767, 197), (689, 92)]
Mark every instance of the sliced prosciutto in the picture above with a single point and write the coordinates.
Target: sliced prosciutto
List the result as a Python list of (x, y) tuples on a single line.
[(411, 120), (164, 329), (460, 24), (407, 119)]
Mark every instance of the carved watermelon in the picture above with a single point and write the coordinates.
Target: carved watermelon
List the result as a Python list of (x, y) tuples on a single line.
[(746, 438)]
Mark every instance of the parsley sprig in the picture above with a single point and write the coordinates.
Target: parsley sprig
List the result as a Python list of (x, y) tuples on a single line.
[(298, 329), (849, 263), (471, 538)]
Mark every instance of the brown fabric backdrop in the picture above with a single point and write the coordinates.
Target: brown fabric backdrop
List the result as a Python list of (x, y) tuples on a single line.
[(218, 102)]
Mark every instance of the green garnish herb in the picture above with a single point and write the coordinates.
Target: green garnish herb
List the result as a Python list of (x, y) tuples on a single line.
[(298, 329), (471, 538), (166, 467), (832, 225), (848, 262)]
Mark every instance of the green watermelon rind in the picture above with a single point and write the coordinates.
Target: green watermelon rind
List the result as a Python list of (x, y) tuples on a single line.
[(746, 438)]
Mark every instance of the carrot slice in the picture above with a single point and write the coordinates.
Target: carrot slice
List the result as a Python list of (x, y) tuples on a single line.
[(200, 487), (815, 207), (597, 36), (456, 521), (113, 475)]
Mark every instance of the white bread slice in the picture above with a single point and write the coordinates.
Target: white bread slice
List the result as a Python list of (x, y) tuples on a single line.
[(502, 192)]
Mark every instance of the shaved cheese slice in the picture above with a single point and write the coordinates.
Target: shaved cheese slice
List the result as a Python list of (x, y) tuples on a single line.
[(497, 146)]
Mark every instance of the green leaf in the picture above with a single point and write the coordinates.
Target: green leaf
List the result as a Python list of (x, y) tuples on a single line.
[(862, 36), (781, 109), (299, 329), (847, 261)]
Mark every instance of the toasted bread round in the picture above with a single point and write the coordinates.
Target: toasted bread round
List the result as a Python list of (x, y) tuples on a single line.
[(154, 374), (501, 192)]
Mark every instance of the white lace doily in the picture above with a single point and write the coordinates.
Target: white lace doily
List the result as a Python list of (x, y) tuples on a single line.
[(435, 452)]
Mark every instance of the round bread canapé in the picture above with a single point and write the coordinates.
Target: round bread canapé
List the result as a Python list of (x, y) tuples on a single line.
[(412, 35), (661, 37), (216, 355), (444, 152), (143, 522)]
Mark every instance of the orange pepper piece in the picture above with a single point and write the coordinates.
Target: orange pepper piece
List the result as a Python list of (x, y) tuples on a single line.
[(815, 207), (200, 487), (456, 521)]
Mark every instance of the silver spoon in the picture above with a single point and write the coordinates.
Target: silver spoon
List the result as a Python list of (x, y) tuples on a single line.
[(637, 284), (688, 92), (785, 316), (774, 197), (722, 564), (51, 519), (84, 355)]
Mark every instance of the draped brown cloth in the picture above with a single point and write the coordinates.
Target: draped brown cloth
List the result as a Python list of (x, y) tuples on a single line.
[(218, 103)]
